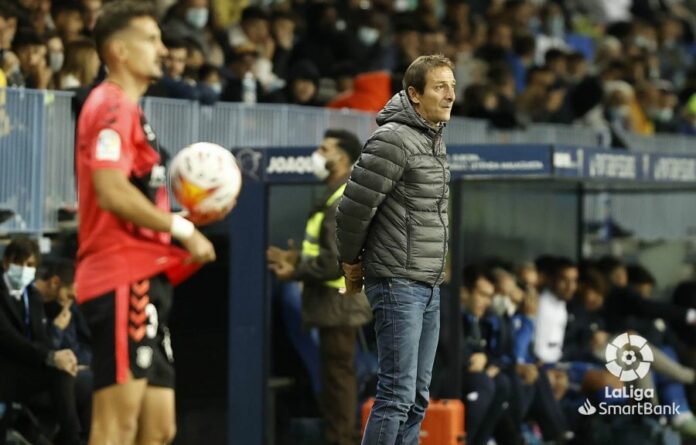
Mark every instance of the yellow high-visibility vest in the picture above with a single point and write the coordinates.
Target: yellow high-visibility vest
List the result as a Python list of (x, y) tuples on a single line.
[(310, 245)]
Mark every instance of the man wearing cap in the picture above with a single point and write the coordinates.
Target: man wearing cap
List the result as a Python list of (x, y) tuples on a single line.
[(324, 304)]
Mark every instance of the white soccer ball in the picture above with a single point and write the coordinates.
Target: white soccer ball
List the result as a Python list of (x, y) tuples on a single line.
[(205, 178)]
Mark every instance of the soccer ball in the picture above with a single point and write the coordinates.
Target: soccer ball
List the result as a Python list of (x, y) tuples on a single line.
[(205, 178)]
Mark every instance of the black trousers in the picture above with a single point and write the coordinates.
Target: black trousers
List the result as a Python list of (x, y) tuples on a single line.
[(536, 401), (22, 383), (486, 399)]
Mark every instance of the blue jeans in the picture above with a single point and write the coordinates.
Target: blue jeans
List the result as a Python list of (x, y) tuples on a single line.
[(407, 323)]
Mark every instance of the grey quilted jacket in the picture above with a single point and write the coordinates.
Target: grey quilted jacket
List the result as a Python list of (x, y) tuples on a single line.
[(393, 213)]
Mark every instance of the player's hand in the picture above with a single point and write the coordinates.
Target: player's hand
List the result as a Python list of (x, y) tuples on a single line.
[(62, 320), (66, 361), (200, 248)]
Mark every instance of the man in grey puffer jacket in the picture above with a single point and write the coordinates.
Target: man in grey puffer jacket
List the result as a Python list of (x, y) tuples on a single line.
[(392, 229)]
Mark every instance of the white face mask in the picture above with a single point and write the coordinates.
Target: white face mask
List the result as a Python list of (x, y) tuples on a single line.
[(55, 61), (197, 17), (20, 276), (368, 36), (319, 166)]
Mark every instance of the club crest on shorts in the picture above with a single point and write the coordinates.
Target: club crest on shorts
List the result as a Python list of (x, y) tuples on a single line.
[(143, 357)]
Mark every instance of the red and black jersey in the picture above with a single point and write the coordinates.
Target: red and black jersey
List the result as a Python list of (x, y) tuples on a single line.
[(112, 134)]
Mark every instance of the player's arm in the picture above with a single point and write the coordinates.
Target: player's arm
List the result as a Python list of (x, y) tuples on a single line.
[(117, 195)]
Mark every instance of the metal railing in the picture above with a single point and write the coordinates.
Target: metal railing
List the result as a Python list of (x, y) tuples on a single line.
[(36, 159), (37, 141)]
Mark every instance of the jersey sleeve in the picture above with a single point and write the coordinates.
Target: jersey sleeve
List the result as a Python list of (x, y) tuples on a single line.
[(110, 142)]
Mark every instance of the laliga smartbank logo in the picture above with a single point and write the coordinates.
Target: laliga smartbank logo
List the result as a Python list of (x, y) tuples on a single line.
[(629, 358), (622, 357)]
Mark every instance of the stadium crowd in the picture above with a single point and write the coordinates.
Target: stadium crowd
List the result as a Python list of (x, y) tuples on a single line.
[(626, 64)]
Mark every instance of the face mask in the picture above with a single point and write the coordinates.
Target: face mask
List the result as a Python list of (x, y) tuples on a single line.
[(368, 36), (557, 26), (216, 87), (19, 276), (661, 114), (319, 166), (197, 17), (55, 61), (534, 24)]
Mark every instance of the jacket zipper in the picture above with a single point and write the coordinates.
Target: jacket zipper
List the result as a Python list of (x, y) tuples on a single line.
[(438, 137)]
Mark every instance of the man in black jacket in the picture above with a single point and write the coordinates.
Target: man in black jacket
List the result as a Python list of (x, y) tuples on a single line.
[(28, 365), (392, 229)]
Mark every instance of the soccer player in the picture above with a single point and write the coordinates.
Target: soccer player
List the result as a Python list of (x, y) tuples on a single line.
[(125, 259)]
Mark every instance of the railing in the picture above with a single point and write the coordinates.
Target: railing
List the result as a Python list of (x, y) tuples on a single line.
[(36, 159), (37, 140)]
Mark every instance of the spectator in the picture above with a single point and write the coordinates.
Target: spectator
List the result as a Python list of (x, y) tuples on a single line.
[(254, 29), (67, 16), (283, 31), (303, 85), (486, 390), (241, 63), (81, 65), (56, 53), (210, 84), (531, 393), (186, 20), (91, 10), (31, 52), (173, 84), (30, 364), (9, 30), (69, 330), (552, 314), (367, 92)]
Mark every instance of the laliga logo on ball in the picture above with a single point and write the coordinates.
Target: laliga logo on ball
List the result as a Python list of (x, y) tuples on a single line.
[(205, 178), (626, 365)]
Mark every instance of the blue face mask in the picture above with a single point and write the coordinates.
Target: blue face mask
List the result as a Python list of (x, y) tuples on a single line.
[(197, 17), (20, 276)]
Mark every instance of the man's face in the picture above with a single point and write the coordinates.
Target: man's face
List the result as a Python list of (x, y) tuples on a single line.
[(435, 104), (480, 297), (645, 290), (303, 90), (257, 30), (92, 8), (70, 23), (619, 277), (30, 57), (142, 50), (508, 287), (176, 62), (331, 151), (566, 283), (66, 294)]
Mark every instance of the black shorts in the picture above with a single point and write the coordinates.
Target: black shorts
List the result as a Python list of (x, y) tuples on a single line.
[(129, 332)]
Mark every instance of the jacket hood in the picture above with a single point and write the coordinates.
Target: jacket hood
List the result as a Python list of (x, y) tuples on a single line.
[(400, 110)]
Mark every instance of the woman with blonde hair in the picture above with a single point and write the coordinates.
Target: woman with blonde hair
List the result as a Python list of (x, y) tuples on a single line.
[(81, 65)]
